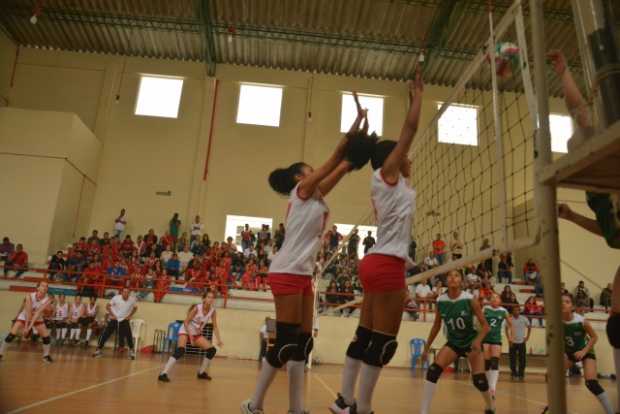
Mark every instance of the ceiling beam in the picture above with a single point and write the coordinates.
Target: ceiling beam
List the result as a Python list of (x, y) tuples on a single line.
[(445, 16), (207, 33)]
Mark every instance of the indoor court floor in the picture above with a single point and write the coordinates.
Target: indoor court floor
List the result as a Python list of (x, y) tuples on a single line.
[(77, 383)]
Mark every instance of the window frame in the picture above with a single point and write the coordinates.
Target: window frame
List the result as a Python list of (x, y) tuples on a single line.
[(361, 95), (156, 76), (440, 104), (263, 85), (570, 118)]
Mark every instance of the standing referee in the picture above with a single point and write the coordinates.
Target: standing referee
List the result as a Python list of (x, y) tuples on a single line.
[(121, 308)]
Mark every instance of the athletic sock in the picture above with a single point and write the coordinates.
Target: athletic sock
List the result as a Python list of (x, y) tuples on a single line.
[(492, 377), (295, 370), (46, 349), (427, 398), (617, 364), (488, 401), (349, 379), (72, 334), (369, 375), (265, 378), (89, 332), (64, 333), (604, 400), (204, 366), (58, 331), (169, 365)]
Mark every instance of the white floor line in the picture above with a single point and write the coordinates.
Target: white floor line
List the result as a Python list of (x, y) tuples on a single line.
[(69, 394), (324, 384)]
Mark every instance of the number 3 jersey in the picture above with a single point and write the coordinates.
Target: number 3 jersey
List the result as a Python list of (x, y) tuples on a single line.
[(575, 335), (495, 317), (458, 318)]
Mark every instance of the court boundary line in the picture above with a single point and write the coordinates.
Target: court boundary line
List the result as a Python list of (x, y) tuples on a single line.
[(71, 393), (325, 385)]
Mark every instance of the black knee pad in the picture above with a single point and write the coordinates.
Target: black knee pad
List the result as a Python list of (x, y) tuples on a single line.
[(210, 353), (494, 363), (9, 338), (481, 382), (47, 340), (487, 364), (178, 353), (613, 330), (305, 343), (433, 373), (381, 349), (285, 346), (360, 342), (594, 387)]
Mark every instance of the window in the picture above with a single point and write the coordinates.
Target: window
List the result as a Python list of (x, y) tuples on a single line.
[(458, 125), (159, 96), (362, 231), (561, 127), (259, 105), (236, 224), (374, 104)]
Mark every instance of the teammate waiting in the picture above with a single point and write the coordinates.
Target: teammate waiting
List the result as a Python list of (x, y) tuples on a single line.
[(457, 309), (191, 331), (31, 317), (382, 270), (492, 344), (120, 308), (89, 321), (61, 316), (75, 315)]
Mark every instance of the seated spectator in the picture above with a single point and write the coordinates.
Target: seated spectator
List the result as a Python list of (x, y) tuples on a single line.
[(6, 249), (117, 273), (456, 246), (504, 271), (173, 266), (57, 266), (509, 299), (582, 297), (533, 310), (486, 291), (347, 295), (249, 275), (182, 241), (431, 261), (166, 255), (438, 289), (472, 276), (184, 257), (606, 297), (16, 261), (75, 264), (331, 294), (162, 284), (531, 273), (92, 280), (94, 237), (127, 247), (230, 245), (439, 249), (423, 295)]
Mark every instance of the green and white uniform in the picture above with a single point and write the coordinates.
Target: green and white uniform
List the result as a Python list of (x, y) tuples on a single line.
[(495, 317), (458, 318), (576, 338)]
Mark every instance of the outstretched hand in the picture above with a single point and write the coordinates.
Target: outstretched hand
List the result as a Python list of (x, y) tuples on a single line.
[(558, 61), (361, 112), (416, 86)]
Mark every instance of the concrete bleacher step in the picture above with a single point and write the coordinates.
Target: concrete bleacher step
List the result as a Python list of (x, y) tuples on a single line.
[(32, 279), (18, 288), (527, 290)]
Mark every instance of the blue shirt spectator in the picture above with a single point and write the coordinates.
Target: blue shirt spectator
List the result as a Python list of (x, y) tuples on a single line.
[(173, 266)]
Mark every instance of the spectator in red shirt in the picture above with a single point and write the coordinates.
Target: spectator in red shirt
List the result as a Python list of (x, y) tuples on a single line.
[(439, 249), (127, 247), (17, 261), (531, 271)]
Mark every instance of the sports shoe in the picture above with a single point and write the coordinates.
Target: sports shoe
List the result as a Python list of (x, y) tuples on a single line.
[(340, 406), (132, 355), (98, 353), (246, 409), (163, 378), (48, 359), (489, 411), (204, 376)]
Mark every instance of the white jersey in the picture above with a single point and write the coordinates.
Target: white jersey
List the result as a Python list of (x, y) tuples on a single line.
[(305, 223), (36, 305), (198, 322), (61, 312), (394, 207), (91, 312), (76, 311)]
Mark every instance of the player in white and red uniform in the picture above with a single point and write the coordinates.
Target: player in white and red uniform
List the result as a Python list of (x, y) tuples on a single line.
[(76, 312), (290, 273), (191, 330), (61, 318), (89, 321), (31, 317), (382, 271)]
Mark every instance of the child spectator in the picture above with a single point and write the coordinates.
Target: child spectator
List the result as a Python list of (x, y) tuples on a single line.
[(533, 310), (17, 261)]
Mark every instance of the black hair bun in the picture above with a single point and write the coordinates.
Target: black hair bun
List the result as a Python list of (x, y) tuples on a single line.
[(360, 148)]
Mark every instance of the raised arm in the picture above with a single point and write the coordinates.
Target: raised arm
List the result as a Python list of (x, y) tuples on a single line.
[(329, 182), (575, 103), (392, 165), (565, 212), (433, 333), (484, 325)]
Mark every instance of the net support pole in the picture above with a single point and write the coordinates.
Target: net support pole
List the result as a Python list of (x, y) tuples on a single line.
[(546, 206)]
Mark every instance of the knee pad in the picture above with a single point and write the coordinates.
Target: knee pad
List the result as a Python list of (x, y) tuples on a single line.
[(285, 346), (360, 342), (494, 363), (178, 353), (487, 364), (210, 353), (9, 338), (381, 349), (433, 373), (594, 387), (46, 340), (305, 343), (481, 382), (613, 330)]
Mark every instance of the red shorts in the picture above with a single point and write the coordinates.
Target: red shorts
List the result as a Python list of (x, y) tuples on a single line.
[(382, 273), (288, 284)]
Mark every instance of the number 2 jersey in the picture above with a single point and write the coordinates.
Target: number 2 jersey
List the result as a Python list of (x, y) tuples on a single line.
[(458, 318), (495, 317)]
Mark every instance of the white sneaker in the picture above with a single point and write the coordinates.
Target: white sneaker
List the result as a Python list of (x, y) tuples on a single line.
[(246, 409), (97, 353), (132, 355)]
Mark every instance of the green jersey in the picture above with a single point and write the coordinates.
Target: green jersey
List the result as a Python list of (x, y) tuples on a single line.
[(575, 335), (495, 317), (458, 317)]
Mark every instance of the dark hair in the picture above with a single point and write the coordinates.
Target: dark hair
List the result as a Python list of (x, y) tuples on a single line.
[(381, 152), (568, 295), (282, 180), (360, 147)]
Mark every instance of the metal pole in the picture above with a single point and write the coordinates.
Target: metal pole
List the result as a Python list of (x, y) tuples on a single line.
[(545, 200)]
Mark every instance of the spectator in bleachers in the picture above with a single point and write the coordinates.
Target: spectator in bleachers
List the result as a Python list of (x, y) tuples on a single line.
[(173, 266), (331, 294), (279, 236), (105, 240), (150, 239), (346, 295), (411, 308), (166, 254), (75, 263), (606, 297), (531, 273), (196, 229), (6, 249), (582, 297), (120, 223), (93, 237), (264, 236), (412, 248), (368, 242), (57, 266), (230, 245), (488, 263), (127, 247), (184, 257), (431, 261), (533, 310), (439, 249), (334, 238), (456, 246), (504, 271), (182, 242), (472, 276), (521, 330), (438, 289), (16, 261), (174, 226), (509, 299), (247, 238), (353, 244), (486, 291), (423, 295)]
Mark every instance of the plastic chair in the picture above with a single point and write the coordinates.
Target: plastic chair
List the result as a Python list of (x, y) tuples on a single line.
[(136, 332), (416, 345), (173, 334)]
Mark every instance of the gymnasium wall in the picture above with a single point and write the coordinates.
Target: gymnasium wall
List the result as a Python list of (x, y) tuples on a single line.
[(240, 329), (7, 58)]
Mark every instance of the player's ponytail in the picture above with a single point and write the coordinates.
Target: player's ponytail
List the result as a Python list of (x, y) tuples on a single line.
[(282, 180), (360, 147), (381, 151)]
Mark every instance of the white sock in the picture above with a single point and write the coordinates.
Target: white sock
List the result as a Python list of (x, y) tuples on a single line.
[(204, 366), (427, 398), (72, 335), (369, 375), (349, 379), (169, 365), (617, 363), (492, 377), (46, 349), (295, 370), (265, 378), (604, 400), (89, 332), (58, 331), (64, 333)]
